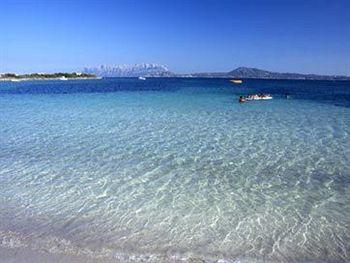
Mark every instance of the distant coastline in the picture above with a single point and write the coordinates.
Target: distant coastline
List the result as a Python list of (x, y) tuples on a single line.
[(160, 71), (156, 70), (46, 76)]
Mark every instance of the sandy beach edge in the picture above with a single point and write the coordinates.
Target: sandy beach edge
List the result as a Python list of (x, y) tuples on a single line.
[(46, 79), (26, 255)]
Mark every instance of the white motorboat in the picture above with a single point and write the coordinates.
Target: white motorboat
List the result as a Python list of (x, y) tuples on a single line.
[(257, 97)]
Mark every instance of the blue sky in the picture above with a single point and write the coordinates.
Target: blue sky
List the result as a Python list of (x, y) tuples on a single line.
[(187, 36)]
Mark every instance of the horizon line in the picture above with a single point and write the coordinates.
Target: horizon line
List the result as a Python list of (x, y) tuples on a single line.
[(81, 69)]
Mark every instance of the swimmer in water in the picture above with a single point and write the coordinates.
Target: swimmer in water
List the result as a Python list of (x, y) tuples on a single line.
[(241, 99)]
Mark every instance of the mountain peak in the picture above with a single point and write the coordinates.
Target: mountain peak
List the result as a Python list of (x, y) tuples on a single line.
[(245, 72), (125, 70)]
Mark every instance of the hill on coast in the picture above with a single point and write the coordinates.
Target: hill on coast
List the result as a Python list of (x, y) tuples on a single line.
[(255, 73)]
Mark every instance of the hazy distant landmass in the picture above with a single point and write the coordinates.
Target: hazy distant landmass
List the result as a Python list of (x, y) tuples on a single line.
[(137, 70), (157, 70)]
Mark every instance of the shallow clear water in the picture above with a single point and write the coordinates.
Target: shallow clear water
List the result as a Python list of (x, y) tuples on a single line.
[(168, 169)]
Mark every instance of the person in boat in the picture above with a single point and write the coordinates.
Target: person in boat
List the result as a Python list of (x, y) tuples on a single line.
[(241, 99), (253, 96)]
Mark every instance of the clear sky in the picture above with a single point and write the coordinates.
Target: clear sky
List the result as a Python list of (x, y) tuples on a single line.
[(187, 36)]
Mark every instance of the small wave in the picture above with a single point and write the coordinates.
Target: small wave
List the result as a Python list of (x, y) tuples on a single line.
[(61, 246)]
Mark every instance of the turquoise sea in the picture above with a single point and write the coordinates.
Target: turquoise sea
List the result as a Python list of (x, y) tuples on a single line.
[(176, 170)]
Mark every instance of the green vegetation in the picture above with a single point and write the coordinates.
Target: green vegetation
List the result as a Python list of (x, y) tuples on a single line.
[(59, 75)]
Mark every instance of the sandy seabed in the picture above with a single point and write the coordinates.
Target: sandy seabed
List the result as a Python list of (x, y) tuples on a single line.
[(25, 255)]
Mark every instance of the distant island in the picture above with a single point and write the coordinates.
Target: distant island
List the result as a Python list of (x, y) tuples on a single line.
[(46, 76), (255, 73), (157, 70)]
